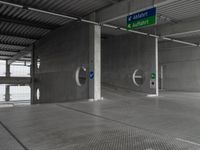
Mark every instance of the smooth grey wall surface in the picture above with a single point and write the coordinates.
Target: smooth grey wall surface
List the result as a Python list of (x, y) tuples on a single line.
[(61, 52), (121, 55), (181, 66)]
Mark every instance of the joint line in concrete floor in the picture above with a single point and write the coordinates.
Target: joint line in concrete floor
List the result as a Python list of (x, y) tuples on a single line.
[(112, 120), (186, 141), (12, 134), (126, 124)]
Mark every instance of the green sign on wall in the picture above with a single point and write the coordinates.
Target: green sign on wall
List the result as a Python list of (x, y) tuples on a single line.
[(142, 19), (153, 76)]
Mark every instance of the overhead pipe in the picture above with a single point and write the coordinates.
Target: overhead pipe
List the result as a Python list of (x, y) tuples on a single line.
[(100, 24), (11, 4), (179, 41)]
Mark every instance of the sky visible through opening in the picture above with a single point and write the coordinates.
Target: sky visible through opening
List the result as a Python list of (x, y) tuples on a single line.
[(18, 69)]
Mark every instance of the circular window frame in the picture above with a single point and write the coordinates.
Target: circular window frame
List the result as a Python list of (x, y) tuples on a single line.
[(38, 94), (77, 75), (38, 63), (134, 78)]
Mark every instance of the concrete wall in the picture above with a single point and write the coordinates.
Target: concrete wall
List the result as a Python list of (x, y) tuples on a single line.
[(121, 55), (61, 52), (181, 66)]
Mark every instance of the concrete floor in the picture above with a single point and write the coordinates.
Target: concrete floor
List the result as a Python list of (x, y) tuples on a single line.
[(122, 121)]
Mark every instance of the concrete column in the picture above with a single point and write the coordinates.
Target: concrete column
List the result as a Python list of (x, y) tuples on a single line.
[(95, 61), (33, 66), (7, 87), (7, 69), (156, 62), (7, 94)]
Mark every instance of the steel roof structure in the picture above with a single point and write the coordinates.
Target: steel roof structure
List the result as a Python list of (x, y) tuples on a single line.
[(21, 27)]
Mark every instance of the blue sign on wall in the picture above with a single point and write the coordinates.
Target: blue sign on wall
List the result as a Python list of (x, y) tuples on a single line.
[(91, 75)]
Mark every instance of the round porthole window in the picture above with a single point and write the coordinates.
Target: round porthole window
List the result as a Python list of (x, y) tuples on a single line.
[(38, 93), (138, 77), (38, 63), (81, 76)]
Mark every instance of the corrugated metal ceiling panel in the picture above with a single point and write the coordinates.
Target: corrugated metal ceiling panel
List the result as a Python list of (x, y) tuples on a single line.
[(73, 7), (11, 47), (16, 40), (8, 13), (6, 27), (23, 14), (175, 11), (7, 53), (181, 9)]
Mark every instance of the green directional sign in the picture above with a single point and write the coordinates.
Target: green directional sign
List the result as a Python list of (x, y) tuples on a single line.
[(142, 19), (153, 76)]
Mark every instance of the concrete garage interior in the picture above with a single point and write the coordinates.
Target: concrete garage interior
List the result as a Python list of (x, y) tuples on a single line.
[(93, 84)]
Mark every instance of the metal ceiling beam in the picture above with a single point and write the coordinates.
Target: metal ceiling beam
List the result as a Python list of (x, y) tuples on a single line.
[(18, 36), (8, 57), (9, 52), (20, 47), (34, 37), (12, 44), (28, 23), (184, 33), (113, 1), (21, 54), (27, 57), (124, 8), (15, 80), (184, 27), (4, 57)]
